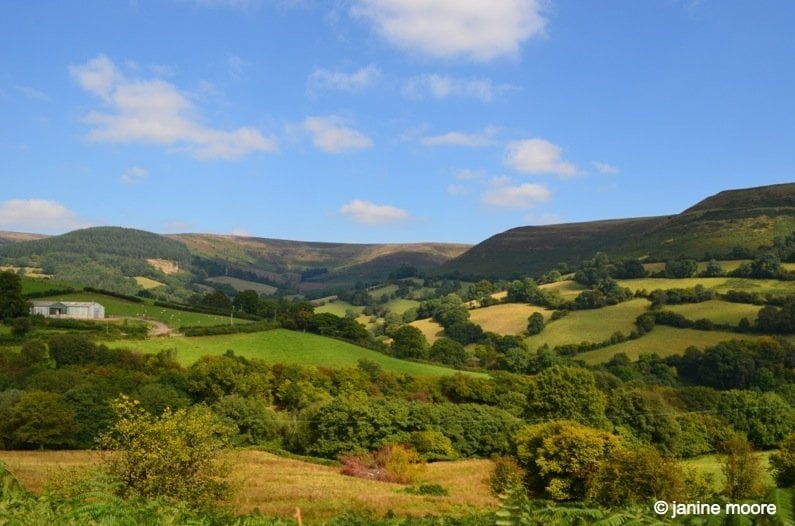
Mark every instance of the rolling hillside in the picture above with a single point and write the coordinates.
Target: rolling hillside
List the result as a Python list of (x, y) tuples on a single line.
[(743, 218)]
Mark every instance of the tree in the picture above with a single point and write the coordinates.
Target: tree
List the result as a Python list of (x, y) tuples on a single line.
[(174, 455), (742, 469), (409, 342), (637, 476), (535, 323), (563, 392), (782, 463), (561, 458), (42, 419), (216, 300), (247, 301), (12, 303), (680, 268), (447, 351), (713, 269)]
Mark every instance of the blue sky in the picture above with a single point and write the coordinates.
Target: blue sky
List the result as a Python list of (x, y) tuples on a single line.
[(386, 120)]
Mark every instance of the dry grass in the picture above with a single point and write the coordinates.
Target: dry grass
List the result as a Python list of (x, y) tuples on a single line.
[(275, 486), (432, 330), (505, 319)]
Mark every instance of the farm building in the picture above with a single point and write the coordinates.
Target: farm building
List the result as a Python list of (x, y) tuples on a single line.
[(84, 310)]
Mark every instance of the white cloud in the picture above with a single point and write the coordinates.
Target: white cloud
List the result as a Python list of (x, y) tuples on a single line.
[(38, 215), (33, 93), (331, 135), (537, 156), (467, 175), (359, 80), (522, 196), (457, 189), (471, 140), (134, 175), (240, 232), (369, 213), (604, 168), (154, 111), (475, 29), (443, 86)]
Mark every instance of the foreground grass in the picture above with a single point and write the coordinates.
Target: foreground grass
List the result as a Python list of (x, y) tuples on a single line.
[(663, 341), (282, 346), (275, 486)]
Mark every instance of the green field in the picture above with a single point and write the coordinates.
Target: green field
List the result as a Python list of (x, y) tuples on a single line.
[(663, 341), (717, 311), (723, 284), (399, 305), (590, 325), (281, 346), (711, 465), (568, 289), (242, 284), (38, 285), (171, 317), (505, 319), (338, 308)]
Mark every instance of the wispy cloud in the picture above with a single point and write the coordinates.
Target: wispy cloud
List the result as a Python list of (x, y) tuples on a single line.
[(33, 93), (368, 213), (154, 111), (38, 215), (471, 140), (356, 81), (331, 135), (473, 29), (443, 86), (134, 175), (604, 168), (538, 156), (523, 196)]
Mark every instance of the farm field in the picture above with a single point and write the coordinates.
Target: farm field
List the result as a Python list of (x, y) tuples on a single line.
[(723, 284), (505, 319), (337, 307), (590, 325), (400, 305), (663, 341), (282, 346), (171, 317), (710, 465), (147, 283), (242, 284), (717, 311), (429, 328), (276, 486), (568, 289)]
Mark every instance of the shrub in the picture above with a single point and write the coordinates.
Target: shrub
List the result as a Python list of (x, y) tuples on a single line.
[(434, 490), (393, 463), (506, 476)]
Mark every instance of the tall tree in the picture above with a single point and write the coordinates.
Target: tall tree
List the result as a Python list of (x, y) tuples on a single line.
[(12, 303)]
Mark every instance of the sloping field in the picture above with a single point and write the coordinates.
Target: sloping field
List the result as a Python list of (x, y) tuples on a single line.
[(337, 307), (717, 311), (171, 317), (568, 289), (590, 325), (432, 330), (276, 486), (147, 283), (724, 284), (505, 319), (242, 284), (663, 341), (282, 346)]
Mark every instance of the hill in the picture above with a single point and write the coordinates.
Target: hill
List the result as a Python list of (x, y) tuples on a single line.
[(743, 218)]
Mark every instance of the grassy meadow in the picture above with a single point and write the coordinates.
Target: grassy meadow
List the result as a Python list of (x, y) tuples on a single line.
[(281, 346), (275, 486), (505, 319), (119, 307), (590, 325), (717, 311), (429, 328), (663, 341)]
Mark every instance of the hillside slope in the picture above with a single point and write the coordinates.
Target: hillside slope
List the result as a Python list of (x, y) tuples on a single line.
[(743, 218)]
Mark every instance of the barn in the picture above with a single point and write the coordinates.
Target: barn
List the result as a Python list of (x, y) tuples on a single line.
[(82, 310)]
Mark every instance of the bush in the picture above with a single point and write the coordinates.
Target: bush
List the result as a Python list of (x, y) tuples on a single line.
[(434, 490), (506, 476), (393, 463)]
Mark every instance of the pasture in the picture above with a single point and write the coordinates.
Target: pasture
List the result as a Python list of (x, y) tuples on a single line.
[(275, 486), (568, 289), (506, 318), (282, 346), (662, 341), (242, 284), (717, 311), (722, 284), (429, 328), (147, 283), (590, 325), (171, 317), (337, 307)]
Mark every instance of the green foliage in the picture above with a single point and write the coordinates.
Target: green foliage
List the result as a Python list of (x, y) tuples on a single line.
[(506, 476), (561, 458), (764, 417), (782, 463), (40, 419), (173, 455), (741, 469), (563, 392), (680, 268), (449, 352), (433, 490), (409, 342), (535, 323), (12, 303)]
